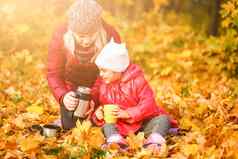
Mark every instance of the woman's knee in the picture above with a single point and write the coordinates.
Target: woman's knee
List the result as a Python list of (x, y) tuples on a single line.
[(66, 118)]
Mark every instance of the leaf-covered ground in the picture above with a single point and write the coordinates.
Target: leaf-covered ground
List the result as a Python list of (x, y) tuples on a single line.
[(185, 69)]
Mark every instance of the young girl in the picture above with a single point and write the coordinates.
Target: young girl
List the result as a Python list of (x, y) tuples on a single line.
[(123, 84)]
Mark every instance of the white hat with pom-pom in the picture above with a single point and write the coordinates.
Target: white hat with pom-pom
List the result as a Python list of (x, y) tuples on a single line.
[(114, 57)]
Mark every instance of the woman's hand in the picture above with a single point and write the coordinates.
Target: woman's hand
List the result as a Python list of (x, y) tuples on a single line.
[(90, 108), (120, 113), (99, 113), (70, 101)]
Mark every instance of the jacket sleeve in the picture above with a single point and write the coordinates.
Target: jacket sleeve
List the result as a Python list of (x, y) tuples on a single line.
[(56, 65), (95, 91), (146, 106), (95, 97)]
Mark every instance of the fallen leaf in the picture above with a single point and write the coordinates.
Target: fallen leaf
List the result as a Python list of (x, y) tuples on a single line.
[(10, 155), (135, 141), (190, 149), (96, 138), (35, 109), (19, 122), (30, 143)]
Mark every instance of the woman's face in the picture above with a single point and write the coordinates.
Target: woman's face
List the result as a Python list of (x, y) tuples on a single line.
[(85, 40), (109, 76)]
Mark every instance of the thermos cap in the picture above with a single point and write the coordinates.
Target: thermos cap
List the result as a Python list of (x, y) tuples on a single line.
[(84, 90)]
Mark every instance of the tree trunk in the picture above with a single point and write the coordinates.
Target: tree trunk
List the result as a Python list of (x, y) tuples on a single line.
[(215, 18)]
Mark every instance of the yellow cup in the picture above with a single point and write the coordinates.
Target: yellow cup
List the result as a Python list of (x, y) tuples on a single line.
[(107, 111)]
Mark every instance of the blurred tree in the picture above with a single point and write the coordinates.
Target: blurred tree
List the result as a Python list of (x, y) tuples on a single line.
[(130, 9), (215, 18), (202, 14)]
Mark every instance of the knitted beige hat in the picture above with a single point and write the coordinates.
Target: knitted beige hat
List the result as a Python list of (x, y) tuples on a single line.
[(84, 16)]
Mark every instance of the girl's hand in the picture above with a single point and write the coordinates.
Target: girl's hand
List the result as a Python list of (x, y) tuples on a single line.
[(99, 113), (70, 101), (120, 113)]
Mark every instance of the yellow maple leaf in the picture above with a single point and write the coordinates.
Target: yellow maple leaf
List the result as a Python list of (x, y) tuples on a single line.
[(190, 149), (166, 71), (30, 143), (84, 126), (96, 138), (135, 141), (189, 123), (229, 7), (144, 153), (185, 54), (35, 109), (81, 132), (19, 122)]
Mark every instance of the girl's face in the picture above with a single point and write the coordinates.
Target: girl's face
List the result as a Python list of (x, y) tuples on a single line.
[(109, 76), (85, 40)]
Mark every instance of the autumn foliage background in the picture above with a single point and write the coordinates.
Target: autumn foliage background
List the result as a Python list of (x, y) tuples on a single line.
[(193, 74)]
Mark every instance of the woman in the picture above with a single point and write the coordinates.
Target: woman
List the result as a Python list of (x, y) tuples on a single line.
[(72, 52)]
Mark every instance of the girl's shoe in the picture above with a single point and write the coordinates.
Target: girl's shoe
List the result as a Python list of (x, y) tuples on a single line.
[(116, 139), (154, 142)]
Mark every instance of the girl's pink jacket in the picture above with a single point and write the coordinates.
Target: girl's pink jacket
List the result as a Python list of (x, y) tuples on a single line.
[(133, 94)]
